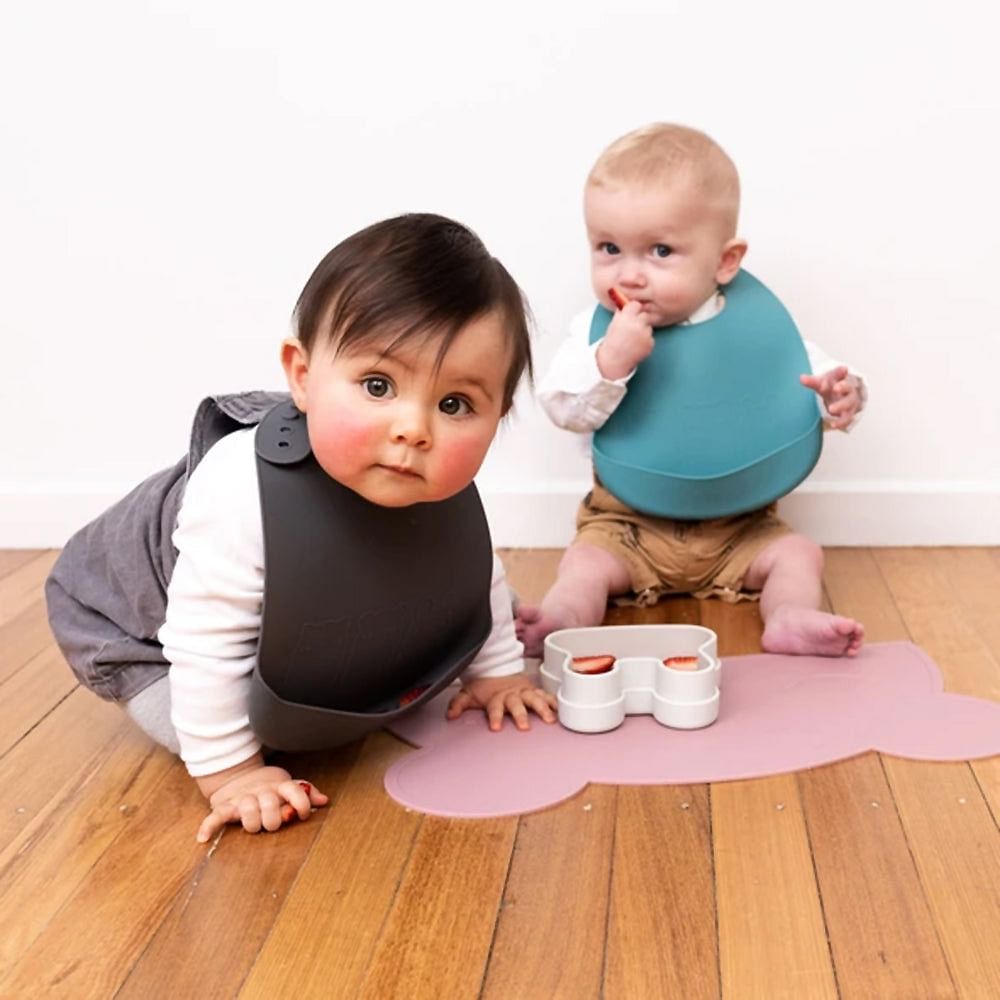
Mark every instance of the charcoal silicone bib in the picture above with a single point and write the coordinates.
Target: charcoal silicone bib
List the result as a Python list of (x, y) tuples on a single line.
[(368, 611)]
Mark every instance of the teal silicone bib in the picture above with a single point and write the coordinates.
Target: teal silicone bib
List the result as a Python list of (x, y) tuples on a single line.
[(715, 421)]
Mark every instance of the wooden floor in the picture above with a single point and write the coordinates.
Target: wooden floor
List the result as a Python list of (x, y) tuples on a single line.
[(873, 878)]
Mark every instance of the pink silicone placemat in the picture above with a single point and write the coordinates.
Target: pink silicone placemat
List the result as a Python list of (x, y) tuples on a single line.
[(778, 714)]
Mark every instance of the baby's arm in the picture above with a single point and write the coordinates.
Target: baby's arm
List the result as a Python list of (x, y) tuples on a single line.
[(210, 639), (573, 392), (495, 681)]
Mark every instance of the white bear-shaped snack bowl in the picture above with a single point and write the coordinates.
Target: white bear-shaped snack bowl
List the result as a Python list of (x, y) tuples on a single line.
[(639, 683)]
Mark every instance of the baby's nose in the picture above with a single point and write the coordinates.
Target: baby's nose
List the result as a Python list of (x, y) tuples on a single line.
[(632, 275), (411, 426)]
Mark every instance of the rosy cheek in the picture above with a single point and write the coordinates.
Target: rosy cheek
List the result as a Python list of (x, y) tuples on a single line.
[(341, 434), (458, 461)]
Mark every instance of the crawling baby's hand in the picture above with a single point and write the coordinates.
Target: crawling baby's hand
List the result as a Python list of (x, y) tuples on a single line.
[(263, 798), (498, 696)]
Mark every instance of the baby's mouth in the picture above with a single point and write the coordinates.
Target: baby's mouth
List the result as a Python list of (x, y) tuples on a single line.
[(401, 470)]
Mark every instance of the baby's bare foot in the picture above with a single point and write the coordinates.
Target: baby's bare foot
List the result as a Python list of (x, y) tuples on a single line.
[(808, 632), (532, 625)]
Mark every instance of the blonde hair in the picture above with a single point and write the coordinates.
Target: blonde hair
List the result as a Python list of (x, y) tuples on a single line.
[(662, 153)]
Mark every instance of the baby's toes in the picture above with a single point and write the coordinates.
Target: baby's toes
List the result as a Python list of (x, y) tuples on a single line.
[(528, 615)]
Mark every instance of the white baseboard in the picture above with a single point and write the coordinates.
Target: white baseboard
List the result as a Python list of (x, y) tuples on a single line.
[(898, 512)]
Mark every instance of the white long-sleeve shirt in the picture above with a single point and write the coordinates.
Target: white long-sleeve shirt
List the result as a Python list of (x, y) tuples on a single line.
[(214, 603), (577, 397)]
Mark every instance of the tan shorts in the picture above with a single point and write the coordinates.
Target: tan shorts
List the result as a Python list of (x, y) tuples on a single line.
[(705, 558)]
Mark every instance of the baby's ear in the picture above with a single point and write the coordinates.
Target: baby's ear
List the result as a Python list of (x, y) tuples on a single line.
[(295, 361), (730, 260)]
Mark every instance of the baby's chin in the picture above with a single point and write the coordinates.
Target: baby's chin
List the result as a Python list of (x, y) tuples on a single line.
[(656, 317)]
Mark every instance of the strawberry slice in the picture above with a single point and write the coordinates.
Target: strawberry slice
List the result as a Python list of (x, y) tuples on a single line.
[(593, 664), (681, 662), (621, 301), (412, 696)]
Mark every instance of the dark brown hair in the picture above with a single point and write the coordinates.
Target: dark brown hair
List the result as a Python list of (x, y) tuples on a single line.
[(416, 275)]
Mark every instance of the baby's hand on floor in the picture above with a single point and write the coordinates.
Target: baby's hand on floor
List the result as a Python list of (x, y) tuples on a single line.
[(264, 798), (497, 696), (839, 392)]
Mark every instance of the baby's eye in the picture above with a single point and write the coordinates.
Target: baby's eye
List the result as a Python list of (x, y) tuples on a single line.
[(662, 250), (609, 248), (377, 386), (454, 406)]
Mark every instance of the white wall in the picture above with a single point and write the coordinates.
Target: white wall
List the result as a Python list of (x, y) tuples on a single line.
[(171, 172)]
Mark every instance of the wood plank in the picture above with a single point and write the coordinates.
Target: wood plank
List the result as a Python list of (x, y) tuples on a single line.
[(55, 755), (23, 637), (323, 939), (90, 945), (950, 830), (972, 577), (11, 559), (662, 929), (771, 930), (550, 934), (879, 923), (938, 622), (437, 938), (59, 848), (211, 937), (856, 588), (31, 693), (22, 587), (763, 865), (738, 626), (956, 848), (671, 610), (987, 773), (530, 571)]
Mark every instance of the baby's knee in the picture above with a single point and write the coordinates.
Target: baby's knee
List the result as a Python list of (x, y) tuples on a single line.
[(150, 711), (584, 561), (800, 550)]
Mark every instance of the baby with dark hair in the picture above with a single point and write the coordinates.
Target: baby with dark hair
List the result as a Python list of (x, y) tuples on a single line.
[(318, 564)]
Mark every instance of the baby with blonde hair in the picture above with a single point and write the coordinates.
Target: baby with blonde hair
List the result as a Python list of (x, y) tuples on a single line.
[(661, 206), (664, 154)]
